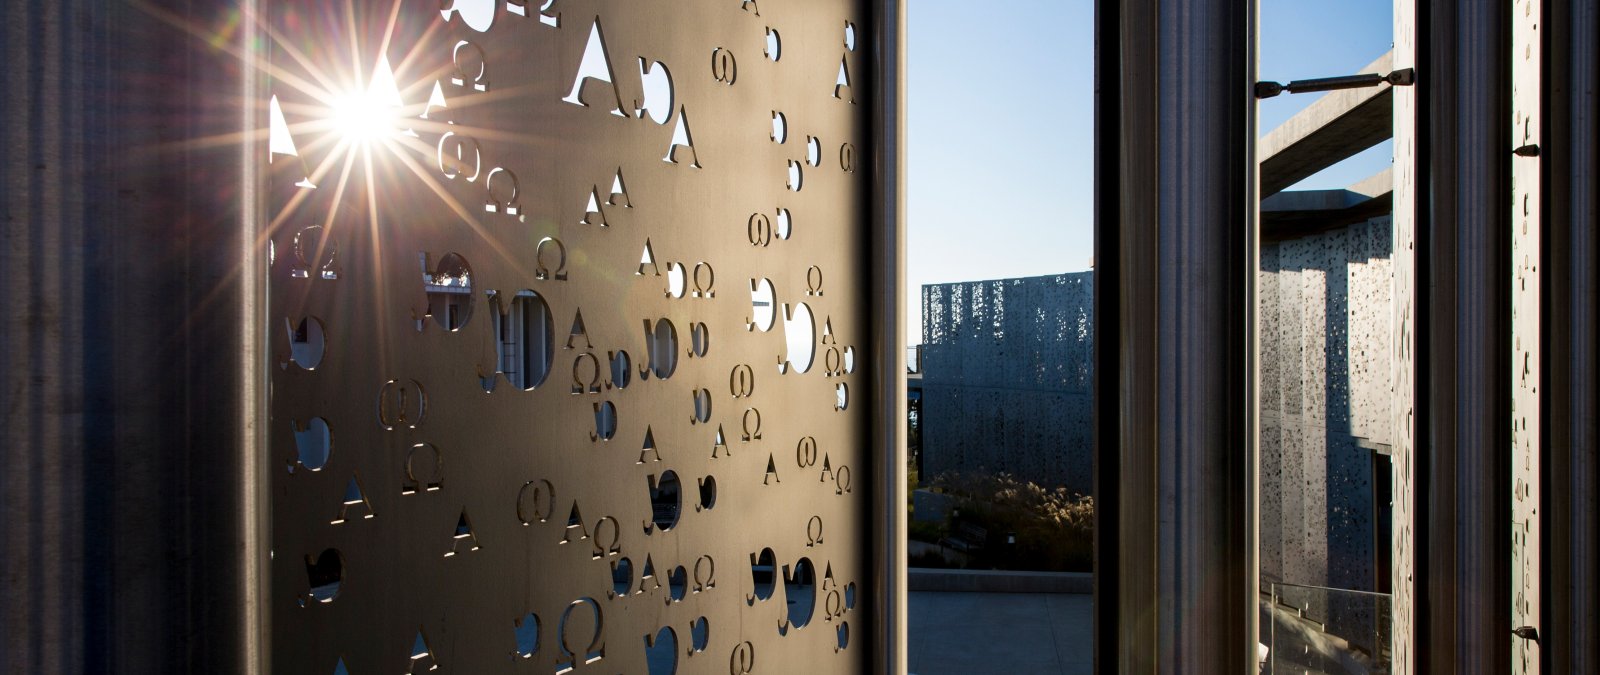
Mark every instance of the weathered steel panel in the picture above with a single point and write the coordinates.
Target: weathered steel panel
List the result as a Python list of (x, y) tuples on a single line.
[(566, 358)]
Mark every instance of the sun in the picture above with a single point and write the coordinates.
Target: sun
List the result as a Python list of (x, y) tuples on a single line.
[(361, 117)]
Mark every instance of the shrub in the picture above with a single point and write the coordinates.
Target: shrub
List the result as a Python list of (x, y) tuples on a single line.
[(1054, 528)]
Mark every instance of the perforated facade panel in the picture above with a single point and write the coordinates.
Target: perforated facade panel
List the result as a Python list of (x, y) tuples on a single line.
[(568, 310), (1005, 385)]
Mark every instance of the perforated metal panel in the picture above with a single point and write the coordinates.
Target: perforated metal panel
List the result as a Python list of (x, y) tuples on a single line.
[(1324, 322), (569, 310), (1526, 319), (1403, 353), (1005, 383)]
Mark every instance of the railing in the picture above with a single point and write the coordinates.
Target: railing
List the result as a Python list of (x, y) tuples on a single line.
[(1327, 630)]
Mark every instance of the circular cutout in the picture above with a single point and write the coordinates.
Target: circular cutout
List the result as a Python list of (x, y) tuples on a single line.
[(780, 127), (700, 634), (666, 501), (678, 582), (676, 280), (621, 369), (664, 349), (605, 420), (762, 304), (800, 591), (800, 338), (763, 573), (527, 340), (661, 652), (622, 577), (325, 575), (774, 45), (307, 343), (527, 632), (796, 176), (313, 444), (449, 291), (699, 339), (708, 493), (785, 224)]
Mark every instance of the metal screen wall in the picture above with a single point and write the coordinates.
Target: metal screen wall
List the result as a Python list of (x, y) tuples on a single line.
[(568, 315), (1006, 368)]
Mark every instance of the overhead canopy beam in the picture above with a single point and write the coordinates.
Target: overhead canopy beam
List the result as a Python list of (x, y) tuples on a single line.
[(1336, 127), (1300, 213)]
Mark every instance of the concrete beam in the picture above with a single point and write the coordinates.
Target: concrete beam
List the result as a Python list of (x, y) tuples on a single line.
[(1300, 213), (1337, 126)]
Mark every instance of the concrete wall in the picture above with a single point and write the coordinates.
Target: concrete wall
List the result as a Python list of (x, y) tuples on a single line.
[(1006, 378)]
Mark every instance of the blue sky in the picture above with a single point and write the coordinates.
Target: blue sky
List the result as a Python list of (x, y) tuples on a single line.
[(1000, 126)]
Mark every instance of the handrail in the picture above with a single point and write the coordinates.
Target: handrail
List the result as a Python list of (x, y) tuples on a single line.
[(1276, 584)]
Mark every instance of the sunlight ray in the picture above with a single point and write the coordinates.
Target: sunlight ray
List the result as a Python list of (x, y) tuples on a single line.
[(317, 174), (381, 302), (467, 216)]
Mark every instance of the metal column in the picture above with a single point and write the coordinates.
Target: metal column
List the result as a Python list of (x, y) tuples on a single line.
[(129, 502), (888, 329), (1467, 340), (1453, 272), (1175, 304), (1568, 150)]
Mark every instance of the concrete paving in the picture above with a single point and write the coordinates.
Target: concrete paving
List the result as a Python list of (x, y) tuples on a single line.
[(1001, 633)]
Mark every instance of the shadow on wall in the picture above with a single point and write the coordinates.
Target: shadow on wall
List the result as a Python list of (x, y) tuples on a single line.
[(1325, 394)]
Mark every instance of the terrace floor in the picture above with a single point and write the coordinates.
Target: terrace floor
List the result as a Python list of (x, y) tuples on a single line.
[(1001, 633)]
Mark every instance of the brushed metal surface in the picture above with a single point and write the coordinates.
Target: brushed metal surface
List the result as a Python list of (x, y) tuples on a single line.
[(489, 505), (1568, 636), (127, 426), (1183, 438), (1467, 340)]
